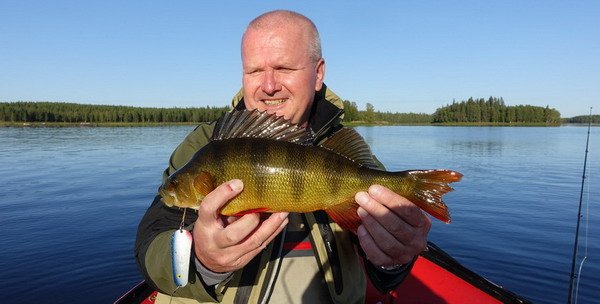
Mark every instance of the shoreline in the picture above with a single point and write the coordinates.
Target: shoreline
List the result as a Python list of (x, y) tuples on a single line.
[(4, 124)]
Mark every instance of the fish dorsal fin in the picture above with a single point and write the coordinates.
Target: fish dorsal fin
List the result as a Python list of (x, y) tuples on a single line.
[(348, 143), (256, 124)]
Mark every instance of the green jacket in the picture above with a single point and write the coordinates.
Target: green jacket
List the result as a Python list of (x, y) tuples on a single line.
[(334, 247)]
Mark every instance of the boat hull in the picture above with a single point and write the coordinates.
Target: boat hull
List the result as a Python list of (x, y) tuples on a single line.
[(436, 277)]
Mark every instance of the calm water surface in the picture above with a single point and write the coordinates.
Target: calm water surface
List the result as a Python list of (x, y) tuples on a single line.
[(71, 199)]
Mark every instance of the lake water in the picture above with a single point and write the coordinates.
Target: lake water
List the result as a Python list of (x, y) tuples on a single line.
[(71, 199)]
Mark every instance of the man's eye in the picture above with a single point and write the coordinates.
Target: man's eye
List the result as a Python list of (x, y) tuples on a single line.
[(253, 72)]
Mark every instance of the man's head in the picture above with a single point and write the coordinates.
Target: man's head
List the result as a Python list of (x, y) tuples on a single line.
[(282, 64)]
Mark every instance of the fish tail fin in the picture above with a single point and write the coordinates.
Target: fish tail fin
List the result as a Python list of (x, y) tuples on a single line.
[(430, 186), (344, 214)]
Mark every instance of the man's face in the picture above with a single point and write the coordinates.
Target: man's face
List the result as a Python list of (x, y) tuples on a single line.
[(279, 75)]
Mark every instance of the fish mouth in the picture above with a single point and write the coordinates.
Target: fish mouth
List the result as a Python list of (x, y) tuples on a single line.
[(168, 197)]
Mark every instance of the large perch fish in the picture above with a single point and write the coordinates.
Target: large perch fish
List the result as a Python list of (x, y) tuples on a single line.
[(283, 171)]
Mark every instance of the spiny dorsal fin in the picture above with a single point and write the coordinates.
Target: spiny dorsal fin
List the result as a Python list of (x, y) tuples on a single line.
[(348, 143), (256, 124)]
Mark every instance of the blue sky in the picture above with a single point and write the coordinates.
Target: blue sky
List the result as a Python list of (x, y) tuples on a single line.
[(401, 56)]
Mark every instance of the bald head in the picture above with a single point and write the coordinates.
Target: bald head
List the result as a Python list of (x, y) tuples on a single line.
[(291, 20), (282, 65)]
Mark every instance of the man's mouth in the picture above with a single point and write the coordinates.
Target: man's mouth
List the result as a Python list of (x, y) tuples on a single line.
[(274, 102)]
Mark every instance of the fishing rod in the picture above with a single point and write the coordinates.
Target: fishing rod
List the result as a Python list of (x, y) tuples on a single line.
[(572, 276)]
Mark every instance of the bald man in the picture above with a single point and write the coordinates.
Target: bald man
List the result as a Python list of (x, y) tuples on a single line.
[(248, 259)]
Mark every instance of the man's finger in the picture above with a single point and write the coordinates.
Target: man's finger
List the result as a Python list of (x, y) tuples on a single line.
[(230, 219), (379, 220), (398, 248), (373, 252), (404, 208), (238, 230), (208, 212), (382, 235), (271, 237), (242, 253), (267, 230)]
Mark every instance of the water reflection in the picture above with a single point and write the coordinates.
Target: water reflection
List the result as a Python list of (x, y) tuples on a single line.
[(473, 148)]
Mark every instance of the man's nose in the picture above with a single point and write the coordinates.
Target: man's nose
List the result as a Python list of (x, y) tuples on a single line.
[(270, 84)]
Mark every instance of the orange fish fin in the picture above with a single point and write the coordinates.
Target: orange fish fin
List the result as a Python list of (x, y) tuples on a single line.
[(344, 214), (204, 183), (257, 210), (430, 186)]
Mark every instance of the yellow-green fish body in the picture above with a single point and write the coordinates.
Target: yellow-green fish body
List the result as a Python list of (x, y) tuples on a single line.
[(280, 175)]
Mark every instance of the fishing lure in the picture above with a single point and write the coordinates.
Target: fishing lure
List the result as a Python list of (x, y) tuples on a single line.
[(181, 250)]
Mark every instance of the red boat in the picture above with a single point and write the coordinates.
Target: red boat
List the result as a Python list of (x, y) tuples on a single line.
[(435, 278)]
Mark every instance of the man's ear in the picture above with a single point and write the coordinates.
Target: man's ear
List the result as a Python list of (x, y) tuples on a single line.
[(320, 69)]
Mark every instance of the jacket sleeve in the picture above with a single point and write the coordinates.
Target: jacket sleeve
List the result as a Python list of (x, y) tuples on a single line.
[(384, 280), (152, 246)]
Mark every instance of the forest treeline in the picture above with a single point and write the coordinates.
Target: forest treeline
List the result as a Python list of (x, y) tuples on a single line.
[(82, 113), (472, 111), (369, 115), (493, 110), (583, 119)]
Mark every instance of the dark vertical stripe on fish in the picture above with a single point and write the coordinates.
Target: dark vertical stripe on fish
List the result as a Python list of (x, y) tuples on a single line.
[(259, 154), (218, 163), (334, 167), (296, 180)]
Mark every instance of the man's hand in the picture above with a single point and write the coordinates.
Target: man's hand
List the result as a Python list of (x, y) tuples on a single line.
[(228, 244), (393, 230)]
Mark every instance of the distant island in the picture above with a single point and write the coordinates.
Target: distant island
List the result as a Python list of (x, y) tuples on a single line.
[(492, 111)]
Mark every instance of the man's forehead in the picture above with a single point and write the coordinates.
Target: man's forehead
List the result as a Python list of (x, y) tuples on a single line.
[(276, 44), (279, 56)]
